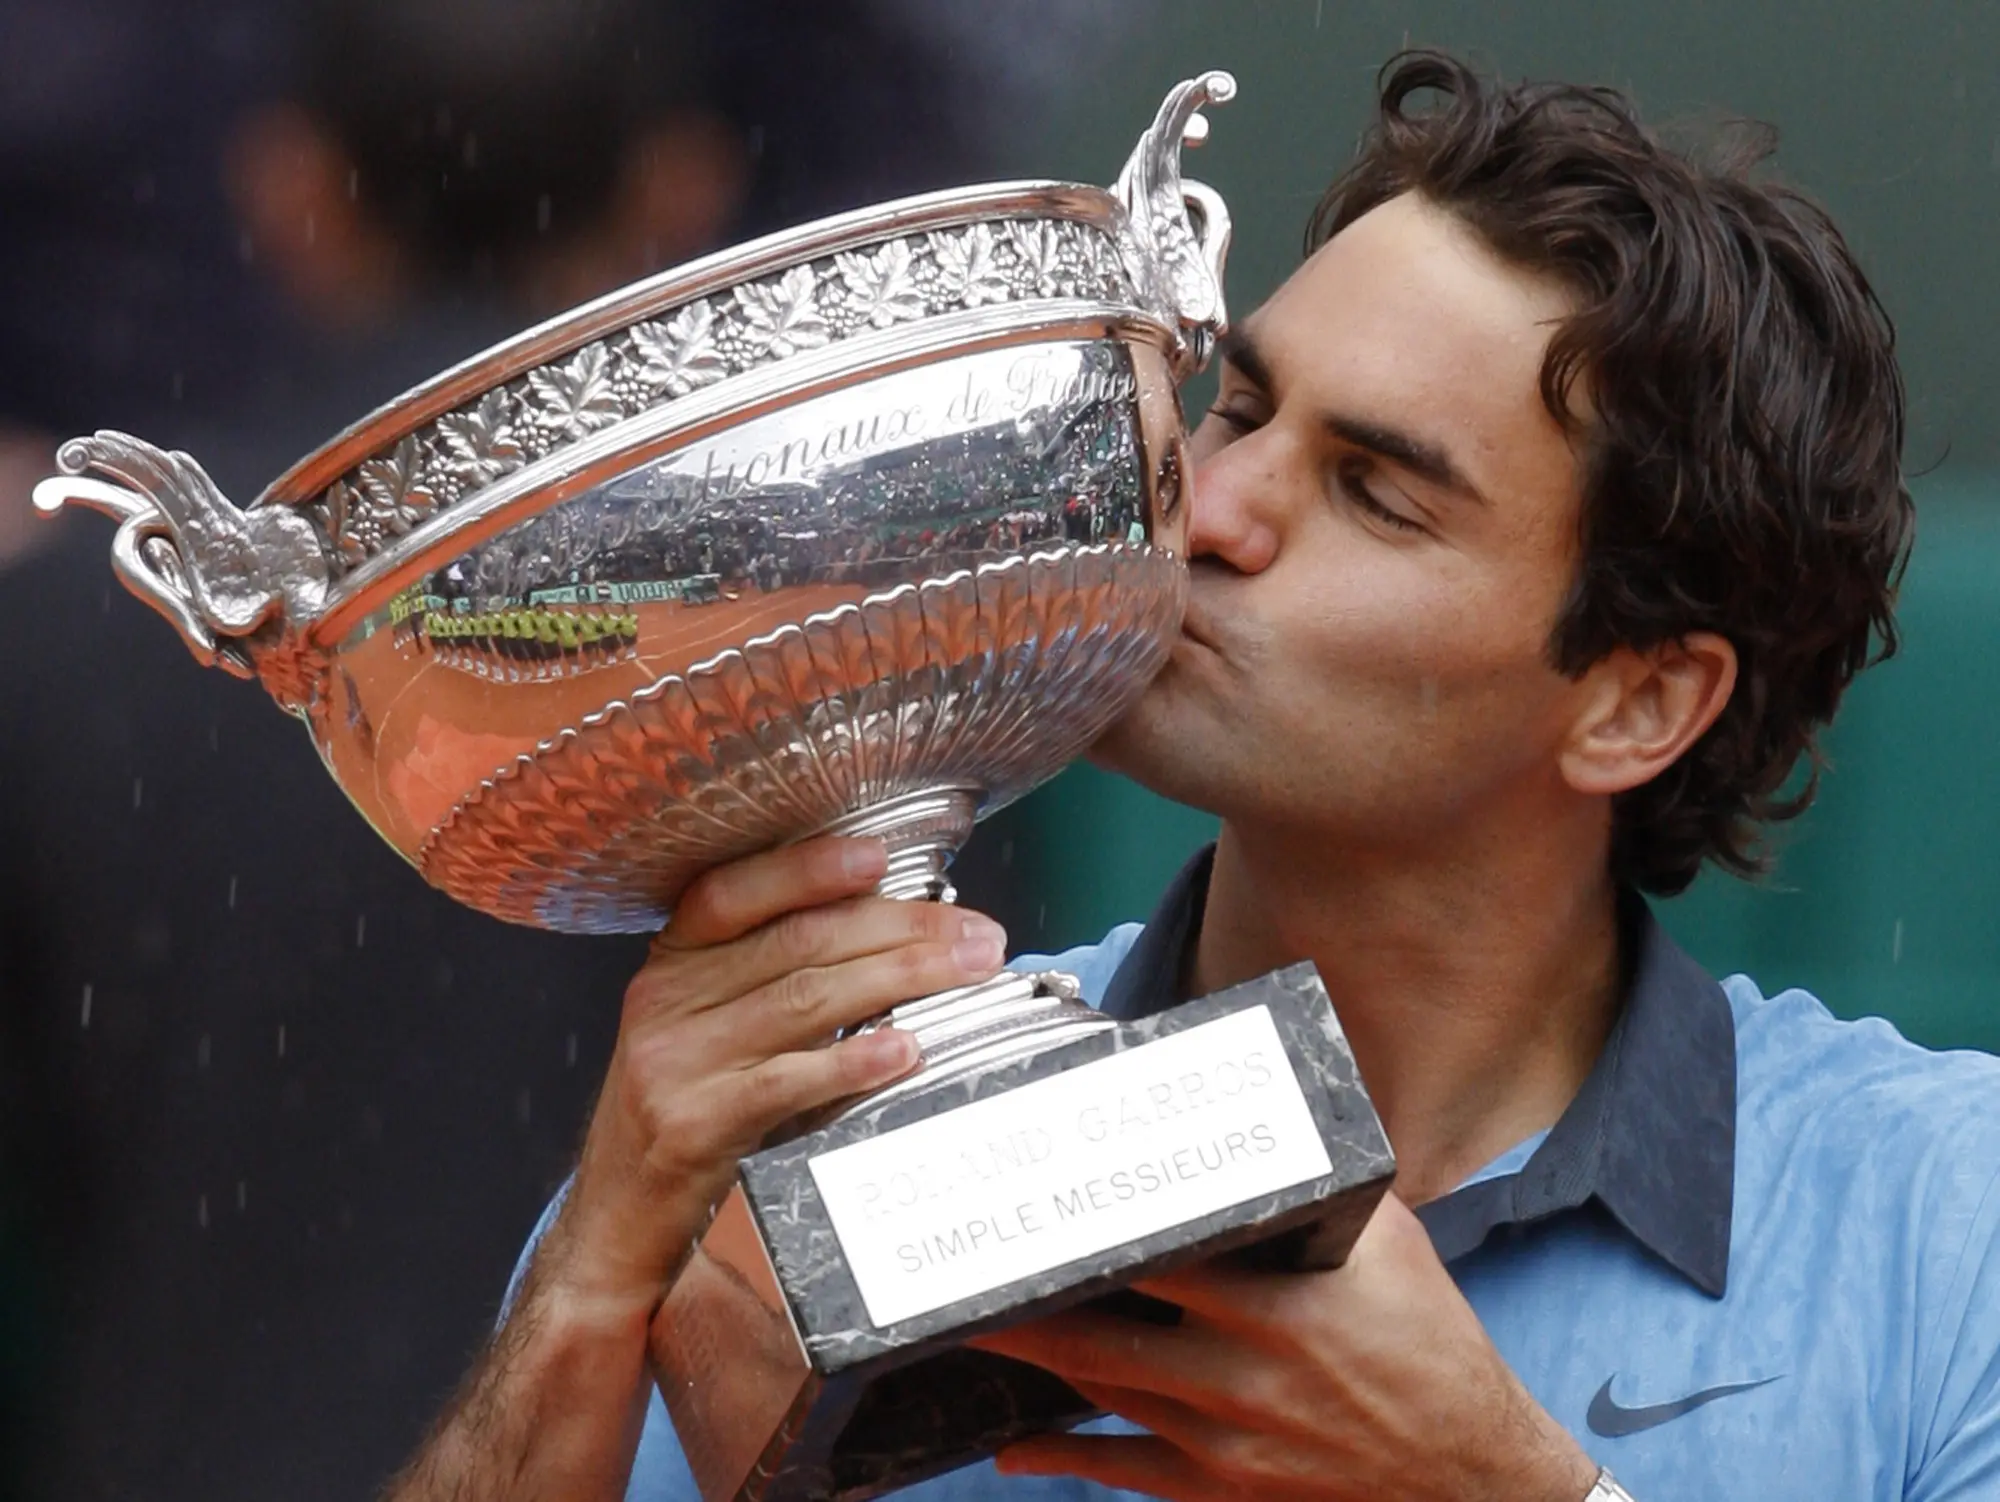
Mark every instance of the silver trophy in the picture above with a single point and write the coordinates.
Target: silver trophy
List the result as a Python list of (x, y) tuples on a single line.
[(868, 527)]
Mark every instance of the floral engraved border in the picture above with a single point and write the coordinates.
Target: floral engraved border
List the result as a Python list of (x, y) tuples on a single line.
[(699, 343)]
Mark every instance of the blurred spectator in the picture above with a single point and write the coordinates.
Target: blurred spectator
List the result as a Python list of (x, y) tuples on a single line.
[(525, 151)]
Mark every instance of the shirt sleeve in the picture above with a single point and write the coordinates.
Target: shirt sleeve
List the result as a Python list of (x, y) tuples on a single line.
[(660, 1471), (1093, 965), (1958, 1452)]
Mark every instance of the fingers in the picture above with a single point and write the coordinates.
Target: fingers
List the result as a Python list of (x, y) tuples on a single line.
[(730, 901), (800, 1009), (822, 938), (714, 1081), (683, 1132), (788, 951), (1142, 1463), (1084, 1346), (1175, 1422), (1235, 1299), (793, 1083), (1248, 1301)]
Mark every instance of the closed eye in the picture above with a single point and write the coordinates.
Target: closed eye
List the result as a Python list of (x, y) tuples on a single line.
[(1353, 473)]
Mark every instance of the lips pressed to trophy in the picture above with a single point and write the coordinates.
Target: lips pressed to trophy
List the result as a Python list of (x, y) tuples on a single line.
[(866, 527)]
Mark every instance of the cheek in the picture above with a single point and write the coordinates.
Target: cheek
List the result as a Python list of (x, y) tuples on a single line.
[(1416, 632)]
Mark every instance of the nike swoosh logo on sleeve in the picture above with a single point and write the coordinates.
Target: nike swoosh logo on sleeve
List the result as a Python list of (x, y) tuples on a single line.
[(1611, 1420)]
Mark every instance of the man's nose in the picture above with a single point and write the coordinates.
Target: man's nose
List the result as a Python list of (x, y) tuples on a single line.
[(1232, 511)]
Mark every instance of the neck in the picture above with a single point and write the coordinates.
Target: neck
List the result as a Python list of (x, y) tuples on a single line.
[(1475, 993)]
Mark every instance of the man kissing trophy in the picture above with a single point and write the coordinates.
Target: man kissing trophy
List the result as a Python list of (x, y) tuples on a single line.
[(866, 528)]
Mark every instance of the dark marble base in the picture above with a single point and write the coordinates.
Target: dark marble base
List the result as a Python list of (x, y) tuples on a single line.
[(781, 1388)]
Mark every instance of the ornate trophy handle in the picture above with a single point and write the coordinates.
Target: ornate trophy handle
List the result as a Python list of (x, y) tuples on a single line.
[(240, 586), (1176, 236)]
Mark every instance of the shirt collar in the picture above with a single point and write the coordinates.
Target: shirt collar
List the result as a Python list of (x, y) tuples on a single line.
[(1650, 1139)]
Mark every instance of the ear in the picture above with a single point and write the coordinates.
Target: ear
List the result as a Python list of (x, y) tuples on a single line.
[(294, 191), (1643, 710)]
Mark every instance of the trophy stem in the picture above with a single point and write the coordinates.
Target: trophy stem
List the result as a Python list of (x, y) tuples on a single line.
[(923, 831), (967, 1029), (971, 1029)]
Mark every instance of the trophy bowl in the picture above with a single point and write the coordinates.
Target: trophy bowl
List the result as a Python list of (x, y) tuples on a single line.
[(865, 527)]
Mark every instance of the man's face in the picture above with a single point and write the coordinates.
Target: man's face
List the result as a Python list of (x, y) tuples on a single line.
[(1383, 532)]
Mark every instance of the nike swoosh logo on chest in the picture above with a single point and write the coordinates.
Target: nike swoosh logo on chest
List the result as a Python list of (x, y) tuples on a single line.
[(1611, 1420)]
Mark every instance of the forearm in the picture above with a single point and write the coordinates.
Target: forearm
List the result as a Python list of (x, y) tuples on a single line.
[(552, 1410), (723, 1038)]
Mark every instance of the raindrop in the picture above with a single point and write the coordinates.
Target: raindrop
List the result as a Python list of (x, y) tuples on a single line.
[(86, 1003), (569, 1051), (544, 212), (1896, 945), (138, 790), (1042, 918), (353, 184), (178, 386), (232, 894), (523, 1106), (360, 929), (1006, 853), (281, 1040), (203, 1052), (201, 1211)]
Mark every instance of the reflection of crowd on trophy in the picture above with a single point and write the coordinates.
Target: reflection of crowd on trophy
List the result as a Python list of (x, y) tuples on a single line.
[(1058, 478)]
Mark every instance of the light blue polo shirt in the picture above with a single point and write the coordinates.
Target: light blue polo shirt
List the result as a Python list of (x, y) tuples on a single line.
[(1757, 1258)]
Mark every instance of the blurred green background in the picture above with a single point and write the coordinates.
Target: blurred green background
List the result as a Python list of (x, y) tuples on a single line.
[(1890, 114)]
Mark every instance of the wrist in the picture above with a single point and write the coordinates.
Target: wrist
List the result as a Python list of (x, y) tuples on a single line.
[(579, 1297), (1571, 1475), (1560, 1470), (605, 1264), (627, 1226), (582, 1316)]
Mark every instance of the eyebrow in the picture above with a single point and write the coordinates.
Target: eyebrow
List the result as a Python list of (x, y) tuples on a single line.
[(1237, 348), (1427, 460)]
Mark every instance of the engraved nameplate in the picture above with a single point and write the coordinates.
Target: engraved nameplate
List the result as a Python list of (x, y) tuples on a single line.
[(1063, 1169)]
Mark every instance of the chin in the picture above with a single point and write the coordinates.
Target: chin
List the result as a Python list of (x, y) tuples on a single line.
[(1158, 745)]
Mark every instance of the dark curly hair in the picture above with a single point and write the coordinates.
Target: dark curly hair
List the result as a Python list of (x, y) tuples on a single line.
[(1740, 420)]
